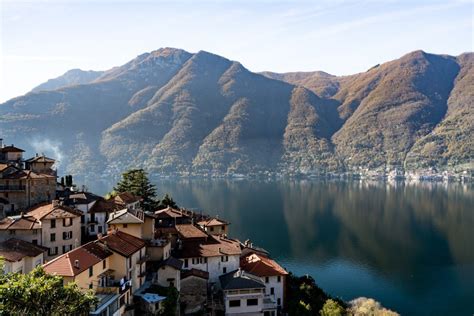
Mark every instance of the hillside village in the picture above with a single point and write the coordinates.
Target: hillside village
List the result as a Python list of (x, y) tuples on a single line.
[(135, 261)]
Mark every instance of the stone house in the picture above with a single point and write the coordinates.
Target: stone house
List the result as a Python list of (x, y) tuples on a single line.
[(193, 294)]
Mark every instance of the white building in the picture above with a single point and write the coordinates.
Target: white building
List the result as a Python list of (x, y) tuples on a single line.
[(273, 275), (21, 256), (169, 273), (244, 294)]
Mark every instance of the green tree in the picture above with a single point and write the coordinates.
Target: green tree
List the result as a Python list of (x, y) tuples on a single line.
[(168, 201), (38, 293), (136, 182), (332, 308)]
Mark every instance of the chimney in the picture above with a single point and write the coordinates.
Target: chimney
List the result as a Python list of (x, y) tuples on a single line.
[(1, 143), (36, 155), (76, 264)]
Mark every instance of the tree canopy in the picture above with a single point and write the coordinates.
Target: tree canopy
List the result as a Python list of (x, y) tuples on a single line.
[(38, 293), (136, 182)]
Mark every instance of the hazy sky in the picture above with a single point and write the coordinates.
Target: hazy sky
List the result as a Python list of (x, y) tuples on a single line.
[(43, 39)]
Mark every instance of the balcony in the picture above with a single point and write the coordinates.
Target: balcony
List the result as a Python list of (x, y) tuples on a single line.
[(114, 287), (11, 188), (143, 259), (269, 302)]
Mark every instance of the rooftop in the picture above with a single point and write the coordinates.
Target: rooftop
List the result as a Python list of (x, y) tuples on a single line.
[(238, 279), (212, 222), (105, 206), (52, 211), (122, 243), (41, 158), (194, 272), (15, 249), (78, 260), (11, 149), (261, 266), (126, 198), (19, 222), (213, 246), (187, 231), (126, 216), (169, 213), (172, 262)]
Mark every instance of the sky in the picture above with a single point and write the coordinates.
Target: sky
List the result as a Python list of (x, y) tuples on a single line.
[(40, 40)]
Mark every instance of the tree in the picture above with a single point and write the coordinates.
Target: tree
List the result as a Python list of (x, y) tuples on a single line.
[(332, 308), (38, 293), (136, 181), (168, 201)]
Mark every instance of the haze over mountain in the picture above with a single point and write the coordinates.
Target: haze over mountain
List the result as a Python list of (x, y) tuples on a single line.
[(173, 112)]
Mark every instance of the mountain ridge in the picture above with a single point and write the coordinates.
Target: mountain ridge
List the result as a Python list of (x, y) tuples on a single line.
[(175, 112)]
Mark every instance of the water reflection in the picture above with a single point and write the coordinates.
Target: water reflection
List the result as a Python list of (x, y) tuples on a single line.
[(402, 243)]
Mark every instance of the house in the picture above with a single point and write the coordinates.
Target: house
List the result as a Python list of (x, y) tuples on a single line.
[(91, 266), (193, 294), (214, 226), (129, 221), (271, 272), (23, 185), (23, 227), (21, 256), (244, 294), (127, 200), (170, 217), (158, 249), (95, 220), (214, 254), (60, 227), (169, 273), (129, 256)]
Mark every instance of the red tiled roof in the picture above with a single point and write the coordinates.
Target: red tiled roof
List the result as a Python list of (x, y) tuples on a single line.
[(19, 222), (86, 256), (46, 211), (194, 272), (28, 174), (261, 266), (213, 222), (126, 198), (214, 246), (105, 206), (15, 249), (169, 213), (187, 231), (123, 243)]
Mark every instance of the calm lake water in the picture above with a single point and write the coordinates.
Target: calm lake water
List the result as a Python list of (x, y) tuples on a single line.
[(411, 247)]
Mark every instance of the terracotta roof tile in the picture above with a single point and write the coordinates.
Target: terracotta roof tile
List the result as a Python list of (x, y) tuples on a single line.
[(15, 249), (187, 231), (86, 256), (261, 266), (105, 206), (53, 210), (126, 198), (214, 246), (123, 243), (213, 222), (19, 222), (41, 158), (194, 272)]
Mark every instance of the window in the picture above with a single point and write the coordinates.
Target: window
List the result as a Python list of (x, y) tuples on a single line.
[(34, 241), (223, 227), (272, 291), (224, 270), (99, 229), (90, 286), (64, 249), (266, 279), (52, 237), (35, 232), (91, 271), (224, 258), (252, 301), (279, 279), (53, 251), (67, 235), (130, 262), (186, 263), (53, 223), (125, 225), (92, 228), (104, 264), (83, 219), (67, 222), (234, 303), (12, 232), (278, 301), (212, 229)]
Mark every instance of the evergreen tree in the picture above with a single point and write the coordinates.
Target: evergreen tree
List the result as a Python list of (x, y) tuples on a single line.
[(38, 293), (136, 181), (168, 201)]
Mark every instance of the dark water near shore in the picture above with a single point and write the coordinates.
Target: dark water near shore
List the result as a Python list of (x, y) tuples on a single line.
[(411, 247)]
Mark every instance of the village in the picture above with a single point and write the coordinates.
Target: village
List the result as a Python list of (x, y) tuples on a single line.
[(169, 261)]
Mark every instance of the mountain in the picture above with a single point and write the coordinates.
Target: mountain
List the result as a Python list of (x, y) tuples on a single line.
[(70, 78), (174, 112)]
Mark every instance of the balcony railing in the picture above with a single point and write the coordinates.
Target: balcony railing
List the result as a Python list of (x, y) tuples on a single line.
[(12, 188)]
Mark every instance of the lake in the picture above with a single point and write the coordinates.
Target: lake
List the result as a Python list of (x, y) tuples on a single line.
[(409, 246)]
